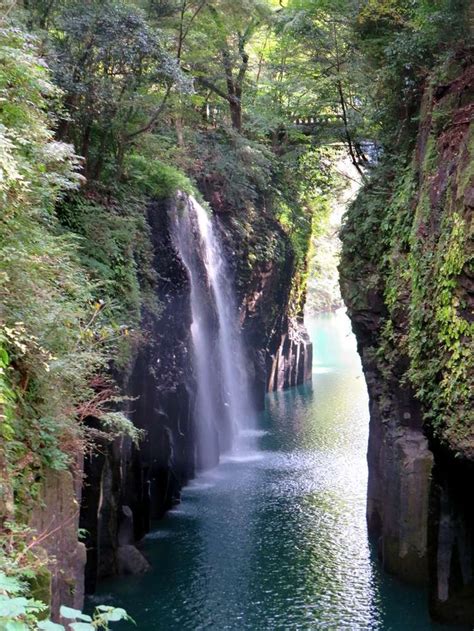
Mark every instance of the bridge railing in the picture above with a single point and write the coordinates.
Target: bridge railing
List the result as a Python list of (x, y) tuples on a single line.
[(315, 121)]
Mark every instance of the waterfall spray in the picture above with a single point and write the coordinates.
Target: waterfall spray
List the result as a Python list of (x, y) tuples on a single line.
[(223, 405)]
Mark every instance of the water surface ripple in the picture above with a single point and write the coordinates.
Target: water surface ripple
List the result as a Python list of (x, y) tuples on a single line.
[(277, 539)]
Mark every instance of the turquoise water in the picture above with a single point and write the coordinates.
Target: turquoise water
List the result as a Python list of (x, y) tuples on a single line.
[(277, 539)]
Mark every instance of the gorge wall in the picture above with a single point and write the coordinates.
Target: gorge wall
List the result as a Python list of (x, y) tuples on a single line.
[(127, 486), (263, 263), (408, 282)]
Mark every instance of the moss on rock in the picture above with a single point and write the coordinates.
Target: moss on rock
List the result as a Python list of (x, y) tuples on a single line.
[(410, 234)]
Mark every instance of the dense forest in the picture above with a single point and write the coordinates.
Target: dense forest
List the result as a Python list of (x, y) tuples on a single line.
[(107, 106)]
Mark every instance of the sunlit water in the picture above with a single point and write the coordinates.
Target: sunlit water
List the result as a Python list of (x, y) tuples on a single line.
[(277, 539)]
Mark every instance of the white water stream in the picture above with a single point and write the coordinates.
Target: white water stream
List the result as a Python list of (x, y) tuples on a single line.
[(224, 411)]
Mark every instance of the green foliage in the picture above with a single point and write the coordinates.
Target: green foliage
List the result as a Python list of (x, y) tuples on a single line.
[(401, 43), (117, 75), (407, 237), (56, 339), (306, 183), (440, 337), (45, 294), (116, 425), (18, 612), (238, 168), (155, 178), (101, 618), (115, 249)]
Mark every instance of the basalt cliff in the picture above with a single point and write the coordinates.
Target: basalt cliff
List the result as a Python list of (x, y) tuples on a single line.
[(408, 282)]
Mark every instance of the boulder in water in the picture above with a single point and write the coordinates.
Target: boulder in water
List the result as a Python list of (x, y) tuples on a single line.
[(131, 560)]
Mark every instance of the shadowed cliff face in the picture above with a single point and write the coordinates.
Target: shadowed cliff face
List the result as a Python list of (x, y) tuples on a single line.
[(262, 259), (407, 279), (126, 487)]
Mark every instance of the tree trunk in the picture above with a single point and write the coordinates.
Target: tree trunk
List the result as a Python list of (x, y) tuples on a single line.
[(236, 113), (6, 492)]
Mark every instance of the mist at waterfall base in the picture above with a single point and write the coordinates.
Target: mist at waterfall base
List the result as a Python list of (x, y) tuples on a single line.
[(223, 413), (279, 541)]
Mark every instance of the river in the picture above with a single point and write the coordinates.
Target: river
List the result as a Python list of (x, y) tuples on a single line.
[(276, 539)]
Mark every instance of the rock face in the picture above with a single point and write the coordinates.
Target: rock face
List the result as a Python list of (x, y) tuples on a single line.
[(61, 582), (291, 364), (126, 487), (399, 459), (278, 346), (407, 279), (131, 561)]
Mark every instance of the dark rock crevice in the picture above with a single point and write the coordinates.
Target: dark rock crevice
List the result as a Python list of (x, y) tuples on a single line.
[(451, 539)]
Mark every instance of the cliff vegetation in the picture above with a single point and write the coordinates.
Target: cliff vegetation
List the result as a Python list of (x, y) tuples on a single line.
[(408, 236), (108, 108)]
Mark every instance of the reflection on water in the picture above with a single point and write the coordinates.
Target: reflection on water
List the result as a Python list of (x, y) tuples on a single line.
[(277, 539)]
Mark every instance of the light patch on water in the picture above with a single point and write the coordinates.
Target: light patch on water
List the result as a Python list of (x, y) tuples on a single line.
[(212, 476), (197, 485), (177, 512), (242, 458), (159, 534)]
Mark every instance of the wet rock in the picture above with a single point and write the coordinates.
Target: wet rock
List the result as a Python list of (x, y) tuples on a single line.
[(397, 508), (126, 534), (291, 365), (56, 520), (131, 560)]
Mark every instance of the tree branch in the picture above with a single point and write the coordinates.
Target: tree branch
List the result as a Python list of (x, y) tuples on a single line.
[(183, 32), (154, 117), (210, 86)]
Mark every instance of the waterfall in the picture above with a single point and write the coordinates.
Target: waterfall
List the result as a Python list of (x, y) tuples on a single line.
[(224, 411)]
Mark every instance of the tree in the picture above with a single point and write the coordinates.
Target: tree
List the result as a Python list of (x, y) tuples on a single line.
[(212, 45), (117, 76)]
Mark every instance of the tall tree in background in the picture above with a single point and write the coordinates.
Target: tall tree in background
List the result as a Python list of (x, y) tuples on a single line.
[(117, 76), (213, 45)]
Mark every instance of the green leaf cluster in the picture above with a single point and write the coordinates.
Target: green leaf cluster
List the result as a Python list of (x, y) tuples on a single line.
[(59, 330), (18, 612)]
